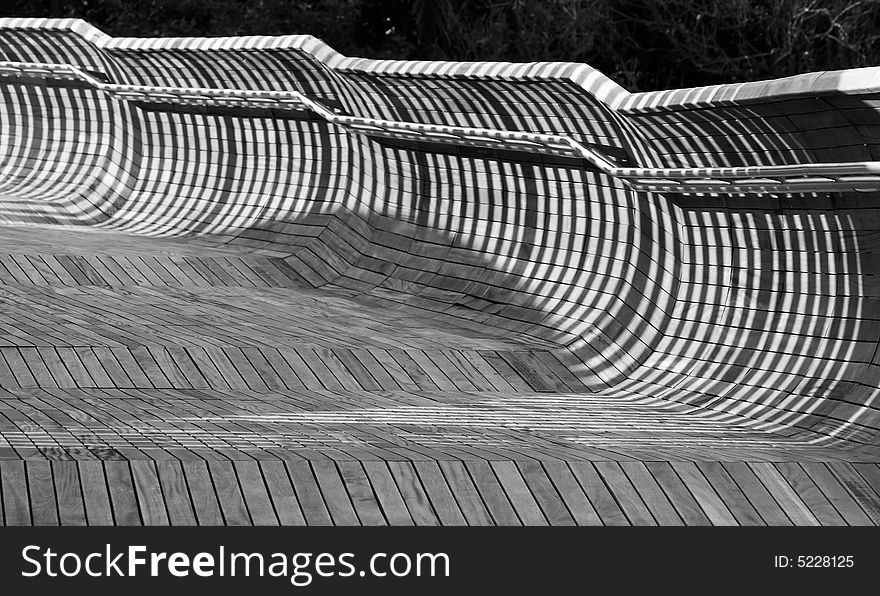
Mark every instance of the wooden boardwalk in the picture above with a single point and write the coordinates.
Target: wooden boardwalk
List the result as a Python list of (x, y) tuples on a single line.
[(410, 304), (149, 381)]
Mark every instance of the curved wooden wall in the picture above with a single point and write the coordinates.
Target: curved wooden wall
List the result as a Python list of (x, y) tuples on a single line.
[(760, 306)]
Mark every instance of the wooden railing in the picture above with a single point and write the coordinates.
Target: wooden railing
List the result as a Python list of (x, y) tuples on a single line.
[(794, 178)]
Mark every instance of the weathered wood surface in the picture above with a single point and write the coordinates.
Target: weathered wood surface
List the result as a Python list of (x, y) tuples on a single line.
[(279, 409), (363, 331)]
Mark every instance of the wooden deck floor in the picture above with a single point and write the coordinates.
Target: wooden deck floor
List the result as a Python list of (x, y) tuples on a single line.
[(151, 381)]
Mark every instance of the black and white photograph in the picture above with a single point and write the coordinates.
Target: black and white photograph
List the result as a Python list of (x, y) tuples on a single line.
[(438, 269)]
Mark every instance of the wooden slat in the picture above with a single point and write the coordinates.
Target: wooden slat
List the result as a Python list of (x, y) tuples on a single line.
[(122, 494), (651, 493), (16, 508), (281, 491), (335, 495), (755, 491), (625, 494), (788, 499), (705, 495), (552, 504), (256, 496), (594, 488), (810, 494), (71, 510), (680, 497), (229, 495), (361, 493), (202, 492), (99, 512), (439, 493), (175, 493), (413, 494), (44, 508), (387, 493), (862, 481), (734, 499), (837, 494), (149, 493), (519, 494), (466, 494), (310, 499)]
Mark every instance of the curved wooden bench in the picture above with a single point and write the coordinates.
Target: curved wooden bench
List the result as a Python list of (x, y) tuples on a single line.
[(709, 252), (759, 305)]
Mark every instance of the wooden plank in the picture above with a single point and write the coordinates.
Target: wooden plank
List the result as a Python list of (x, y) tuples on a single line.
[(287, 375), (255, 493), (519, 494), (837, 494), (505, 370), (16, 506), (281, 491), (438, 492), (466, 494), (229, 495), (440, 362), (122, 493), (56, 367), (571, 492), (413, 494), (327, 379), (71, 510), (598, 494), (203, 493), (99, 512), (299, 366), (413, 370), (870, 473), (36, 367), (170, 370), (91, 364), (36, 270), (310, 500), (387, 493), (734, 499), (44, 509), (552, 504), (264, 368), (796, 510), (377, 371), (810, 494), (756, 493), (651, 493), (680, 497), (209, 371), (128, 363), (434, 372), (338, 369), (75, 368), (625, 494), (149, 367), (149, 493), (190, 371), (526, 370), (394, 370), (357, 369), (7, 378), (175, 493), (704, 494), (20, 370), (335, 495), (858, 480), (361, 493)]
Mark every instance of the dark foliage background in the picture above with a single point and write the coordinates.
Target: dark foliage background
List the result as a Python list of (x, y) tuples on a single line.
[(643, 44)]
